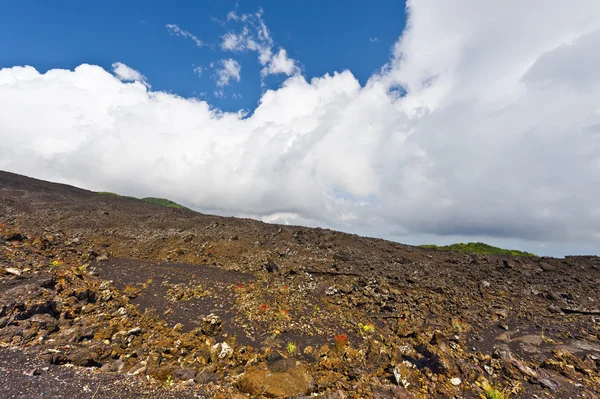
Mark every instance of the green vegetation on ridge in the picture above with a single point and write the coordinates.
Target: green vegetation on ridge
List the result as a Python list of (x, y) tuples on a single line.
[(478, 248), (108, 193), (152, 200), (164, 202)]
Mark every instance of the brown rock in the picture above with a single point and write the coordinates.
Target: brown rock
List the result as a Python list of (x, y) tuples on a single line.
[(437, 359), (84, 357), (27, 300), (278, 363), (547, 267), (162, 373), (295, 381), (44, 322), (183, 374), (206, 376)]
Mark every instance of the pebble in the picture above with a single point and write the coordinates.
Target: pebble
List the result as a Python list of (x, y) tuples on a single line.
[(455, 381), (32, 372), (134, 331), (14, 271)]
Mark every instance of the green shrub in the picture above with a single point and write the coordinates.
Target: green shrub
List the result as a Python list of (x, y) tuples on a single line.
[(495, 394)]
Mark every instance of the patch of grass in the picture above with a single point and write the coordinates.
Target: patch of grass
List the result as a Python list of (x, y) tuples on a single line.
[(496, 394), (478, 248), (152, 200), (115, 195), (164, 202)]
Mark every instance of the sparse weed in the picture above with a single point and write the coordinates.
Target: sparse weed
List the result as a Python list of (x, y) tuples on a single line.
[(368, 328), (291, 348), (83, 268), (169, 381), (494, 393), (458, 326)]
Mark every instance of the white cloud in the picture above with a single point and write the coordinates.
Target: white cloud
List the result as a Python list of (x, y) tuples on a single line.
[(373, 39), (177, 31), (233, 42), (496, 134), (280, 63), (198, 70), (255, 36), (230, 69), (125, 73)]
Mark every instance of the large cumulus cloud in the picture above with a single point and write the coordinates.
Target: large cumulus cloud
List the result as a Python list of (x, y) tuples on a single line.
[(485, 123)]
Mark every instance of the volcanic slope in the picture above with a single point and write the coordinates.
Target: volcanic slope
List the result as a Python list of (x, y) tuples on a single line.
[(102, 296)]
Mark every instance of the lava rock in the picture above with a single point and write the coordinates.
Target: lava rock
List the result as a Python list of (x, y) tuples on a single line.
[(84, 357), (205, 377), (295, 381), (212, 325), (183, 374)]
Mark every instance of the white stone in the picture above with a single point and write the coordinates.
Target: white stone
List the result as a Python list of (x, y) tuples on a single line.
[(455, 381), (14, 271)]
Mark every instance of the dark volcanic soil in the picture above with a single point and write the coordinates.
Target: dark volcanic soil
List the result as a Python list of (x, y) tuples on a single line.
[(214, 287), (24, 376), (148, 300)]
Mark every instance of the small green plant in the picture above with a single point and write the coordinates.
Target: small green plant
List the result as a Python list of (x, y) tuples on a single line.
[(83, 268), (493, 393), (291, 348), (169, 381), (368, 328), (458, 326)]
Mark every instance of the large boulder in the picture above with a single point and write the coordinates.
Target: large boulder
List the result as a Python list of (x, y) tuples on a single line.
[(261, 380), (24, 301), (84, 357)]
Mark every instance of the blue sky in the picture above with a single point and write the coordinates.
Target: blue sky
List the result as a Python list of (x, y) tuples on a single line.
[(323, 36)]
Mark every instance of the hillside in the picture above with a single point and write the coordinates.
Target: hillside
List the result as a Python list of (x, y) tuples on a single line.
[(152, 301)]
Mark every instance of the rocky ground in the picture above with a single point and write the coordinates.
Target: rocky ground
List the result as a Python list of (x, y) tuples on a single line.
[(106, 297)]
